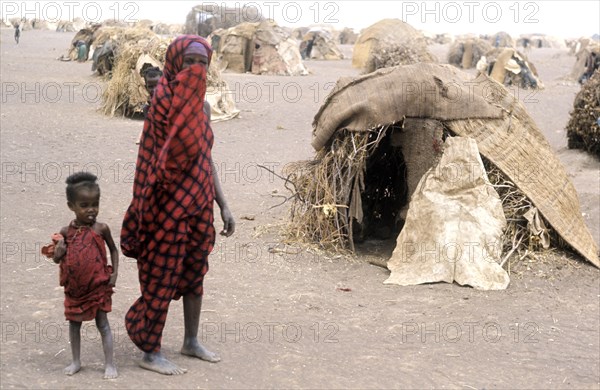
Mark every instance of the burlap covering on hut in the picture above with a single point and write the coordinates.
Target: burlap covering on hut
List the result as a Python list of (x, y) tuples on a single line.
[(453, 230), (385, 34), (480, 109)]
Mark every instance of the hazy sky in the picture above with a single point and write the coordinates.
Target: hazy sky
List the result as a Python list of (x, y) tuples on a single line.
[(562, 18)]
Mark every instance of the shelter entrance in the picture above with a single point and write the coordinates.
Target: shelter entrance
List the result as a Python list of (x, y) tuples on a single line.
[(383, 197)]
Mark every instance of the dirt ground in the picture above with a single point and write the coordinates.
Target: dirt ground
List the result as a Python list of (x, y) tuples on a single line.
[(278, 320)]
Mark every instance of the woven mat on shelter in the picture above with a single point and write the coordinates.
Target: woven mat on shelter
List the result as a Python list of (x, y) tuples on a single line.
[(387, 95), (480, 109)]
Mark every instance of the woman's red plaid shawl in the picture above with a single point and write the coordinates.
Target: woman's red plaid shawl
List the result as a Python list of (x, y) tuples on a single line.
[(173, 177)]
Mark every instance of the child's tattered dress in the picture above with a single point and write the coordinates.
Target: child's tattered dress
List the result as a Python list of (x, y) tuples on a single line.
[(85, 273)]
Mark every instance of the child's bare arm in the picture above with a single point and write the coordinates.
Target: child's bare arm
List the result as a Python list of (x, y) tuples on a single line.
[(114, 253), (61, 246)]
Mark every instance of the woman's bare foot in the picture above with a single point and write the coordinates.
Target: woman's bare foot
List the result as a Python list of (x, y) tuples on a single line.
[(194, 348), (110, 372), (157, 362), (72, 368)]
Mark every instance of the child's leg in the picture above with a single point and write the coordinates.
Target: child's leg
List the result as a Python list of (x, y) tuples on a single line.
[(110, 371), (75, 339)]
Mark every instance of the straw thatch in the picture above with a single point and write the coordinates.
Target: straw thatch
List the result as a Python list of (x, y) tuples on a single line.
[(125, 93), (583, 129), (389, 34), (465, 53), (168, 29), (356, 119)]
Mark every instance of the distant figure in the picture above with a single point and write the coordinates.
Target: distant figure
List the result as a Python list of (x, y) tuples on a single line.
[(82, 51), (526, 45), (309, 46), (17, 33)]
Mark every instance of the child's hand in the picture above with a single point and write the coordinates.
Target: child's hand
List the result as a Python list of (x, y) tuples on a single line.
[(113, 279), (59, 251)]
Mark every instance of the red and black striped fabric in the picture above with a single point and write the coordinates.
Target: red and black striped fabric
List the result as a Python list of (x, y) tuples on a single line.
[(168, 226)]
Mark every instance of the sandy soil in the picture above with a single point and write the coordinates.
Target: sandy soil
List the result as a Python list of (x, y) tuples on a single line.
[(278, 320)]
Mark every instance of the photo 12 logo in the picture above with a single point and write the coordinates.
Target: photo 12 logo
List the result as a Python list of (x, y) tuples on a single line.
[(56, 11), (292, 12), (470, 12)]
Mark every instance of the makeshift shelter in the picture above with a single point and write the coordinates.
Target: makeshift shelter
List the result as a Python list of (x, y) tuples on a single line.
[(465, 53), (322, 45), (85, 35), (583, 129), (259, 48), (71, 26), (205, 18), (510, 67), (542, 41), (107, 41), (406, 43), (587, 52), (378, 135), (347, 36), (502, 39)]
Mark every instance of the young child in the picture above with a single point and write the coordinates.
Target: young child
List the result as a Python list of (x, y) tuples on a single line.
[(87, 278), (151, 76)]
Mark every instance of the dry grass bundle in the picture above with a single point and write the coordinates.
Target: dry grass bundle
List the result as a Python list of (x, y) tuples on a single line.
[(323, 187), (397, 55), (583, 129), (121, 35), (126, 93), (518, 238)]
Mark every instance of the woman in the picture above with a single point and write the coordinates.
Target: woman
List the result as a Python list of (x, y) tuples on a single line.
[(168, 226)]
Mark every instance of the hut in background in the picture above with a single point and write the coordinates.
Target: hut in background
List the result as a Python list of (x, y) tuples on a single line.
[(402, 43)]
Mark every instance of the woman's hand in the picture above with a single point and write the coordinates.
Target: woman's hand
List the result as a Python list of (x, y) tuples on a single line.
[(228, 222)]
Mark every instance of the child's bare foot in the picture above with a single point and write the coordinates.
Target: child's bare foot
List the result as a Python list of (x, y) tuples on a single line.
[(157, 362), (193, 348), (72, 368), (110, 372)]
